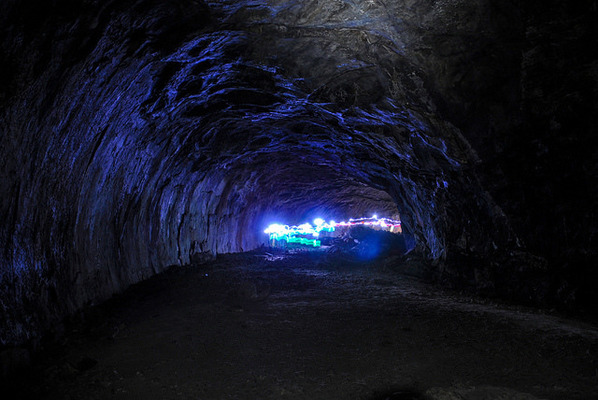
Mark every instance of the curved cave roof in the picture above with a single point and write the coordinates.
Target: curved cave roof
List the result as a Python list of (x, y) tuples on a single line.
[(138, 133)]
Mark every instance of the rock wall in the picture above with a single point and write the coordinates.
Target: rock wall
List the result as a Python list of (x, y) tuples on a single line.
[(139, 134)]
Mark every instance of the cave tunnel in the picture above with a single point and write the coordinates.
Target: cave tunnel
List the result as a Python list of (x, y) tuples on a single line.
[(140, 136)]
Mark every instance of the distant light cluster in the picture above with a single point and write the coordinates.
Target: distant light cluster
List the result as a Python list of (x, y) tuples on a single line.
[(307, 234)]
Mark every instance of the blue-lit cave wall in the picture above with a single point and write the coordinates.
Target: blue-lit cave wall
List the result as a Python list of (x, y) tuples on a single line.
[(139, 134)]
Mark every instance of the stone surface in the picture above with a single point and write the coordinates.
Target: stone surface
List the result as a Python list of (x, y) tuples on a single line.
[(271, 325), (139, 134), (477, 393)]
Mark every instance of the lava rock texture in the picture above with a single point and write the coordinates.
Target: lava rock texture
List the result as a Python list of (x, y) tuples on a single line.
[(137, 135)]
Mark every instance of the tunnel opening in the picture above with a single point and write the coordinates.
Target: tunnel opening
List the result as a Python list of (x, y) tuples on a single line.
[(363, 239)]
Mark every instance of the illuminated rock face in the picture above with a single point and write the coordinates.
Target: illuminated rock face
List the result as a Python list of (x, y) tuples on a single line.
[(136, 135)]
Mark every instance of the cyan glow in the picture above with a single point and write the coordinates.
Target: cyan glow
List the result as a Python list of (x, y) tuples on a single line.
[(306, 234), (304, 241), (303, 234)]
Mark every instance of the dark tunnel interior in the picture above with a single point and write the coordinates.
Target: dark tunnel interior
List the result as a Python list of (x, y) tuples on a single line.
[(139, 134)]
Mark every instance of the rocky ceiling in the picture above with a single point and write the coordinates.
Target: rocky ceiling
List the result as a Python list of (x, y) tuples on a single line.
[(136, 134)]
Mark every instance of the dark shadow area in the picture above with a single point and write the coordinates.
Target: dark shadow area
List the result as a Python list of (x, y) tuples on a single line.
[(366, 244), (399, 394), (272, 324)]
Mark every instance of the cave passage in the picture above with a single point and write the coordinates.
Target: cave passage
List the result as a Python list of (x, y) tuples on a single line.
[(155, 134), (143, 136)]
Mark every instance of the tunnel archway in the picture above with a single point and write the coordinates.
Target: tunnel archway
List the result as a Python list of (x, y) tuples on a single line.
[(137, 134)]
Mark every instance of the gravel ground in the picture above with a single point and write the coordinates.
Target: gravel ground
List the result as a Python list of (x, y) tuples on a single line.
[(278, 326)]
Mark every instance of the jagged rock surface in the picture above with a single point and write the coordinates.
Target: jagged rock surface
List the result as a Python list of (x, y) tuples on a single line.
[(137, 134)]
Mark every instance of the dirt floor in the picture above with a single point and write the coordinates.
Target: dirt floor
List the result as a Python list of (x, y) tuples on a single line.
[(272, 326)]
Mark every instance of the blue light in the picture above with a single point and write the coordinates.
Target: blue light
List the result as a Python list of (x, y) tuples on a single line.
[(306, 233)]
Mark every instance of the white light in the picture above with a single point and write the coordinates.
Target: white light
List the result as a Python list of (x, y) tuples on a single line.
[(332, 223), (319, 221), (375, 216), (277, 229), (305, 228)]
